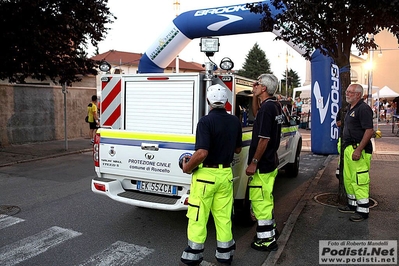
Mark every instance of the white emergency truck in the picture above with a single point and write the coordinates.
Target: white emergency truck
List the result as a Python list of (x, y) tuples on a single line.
[(148, 122)]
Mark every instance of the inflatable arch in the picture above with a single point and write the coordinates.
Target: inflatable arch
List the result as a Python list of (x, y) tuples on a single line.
[(237, 19)]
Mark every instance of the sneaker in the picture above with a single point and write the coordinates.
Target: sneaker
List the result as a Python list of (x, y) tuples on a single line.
[(346, 209), (358, 217), (264, 245), (92, 141)]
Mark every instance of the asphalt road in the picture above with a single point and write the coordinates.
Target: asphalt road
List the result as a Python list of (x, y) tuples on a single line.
[(55, 219)]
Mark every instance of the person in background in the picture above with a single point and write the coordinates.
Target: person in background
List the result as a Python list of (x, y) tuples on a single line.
[(218, 137), (298, 107), (92, 113), (263, 160), (390, 109), (339, 123), (376, 105), (357, 148), (396, 102), (290, 100), (382, 109)]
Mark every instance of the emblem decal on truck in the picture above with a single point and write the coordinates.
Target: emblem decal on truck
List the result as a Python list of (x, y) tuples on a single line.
[(112, 151), (149, 156)]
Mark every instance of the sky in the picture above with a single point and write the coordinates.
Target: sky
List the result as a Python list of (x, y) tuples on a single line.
[(139, 23)]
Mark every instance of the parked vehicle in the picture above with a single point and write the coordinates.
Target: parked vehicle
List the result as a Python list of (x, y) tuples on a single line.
[(148, 122)]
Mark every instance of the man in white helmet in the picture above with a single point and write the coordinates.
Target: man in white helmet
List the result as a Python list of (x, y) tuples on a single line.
[(218, 137)]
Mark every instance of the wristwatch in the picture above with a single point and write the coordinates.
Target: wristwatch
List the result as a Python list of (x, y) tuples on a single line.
[(255, 161)]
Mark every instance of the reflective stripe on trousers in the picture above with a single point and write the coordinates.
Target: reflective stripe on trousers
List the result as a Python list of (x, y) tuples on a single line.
[(357, 179), (262, 202), (193, 253), (211, 190)]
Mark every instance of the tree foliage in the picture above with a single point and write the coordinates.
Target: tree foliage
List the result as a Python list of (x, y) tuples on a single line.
[(47, 39), (331, 26), (256, 63)]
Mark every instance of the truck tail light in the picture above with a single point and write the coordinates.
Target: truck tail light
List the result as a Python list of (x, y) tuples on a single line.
[(96, 150), (98, 186)]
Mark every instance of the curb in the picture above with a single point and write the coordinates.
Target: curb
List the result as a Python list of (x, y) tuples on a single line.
[(46, 157), (274, 256)]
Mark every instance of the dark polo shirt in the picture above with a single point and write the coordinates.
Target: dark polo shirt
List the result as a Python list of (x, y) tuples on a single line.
[(219, 133)]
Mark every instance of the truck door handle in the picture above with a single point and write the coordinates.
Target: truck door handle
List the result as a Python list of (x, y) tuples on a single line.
[(149, 146)]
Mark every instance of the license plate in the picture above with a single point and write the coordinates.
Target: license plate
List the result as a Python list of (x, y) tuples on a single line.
[(156, 187)]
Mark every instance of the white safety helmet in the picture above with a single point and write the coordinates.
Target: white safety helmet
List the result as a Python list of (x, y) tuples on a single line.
[(217, 96)]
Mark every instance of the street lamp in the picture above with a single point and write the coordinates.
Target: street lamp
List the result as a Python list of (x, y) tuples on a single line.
[(287, 55), (370, 74)]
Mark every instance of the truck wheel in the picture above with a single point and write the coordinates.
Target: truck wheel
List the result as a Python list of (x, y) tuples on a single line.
[(242, 214), (292, 169)]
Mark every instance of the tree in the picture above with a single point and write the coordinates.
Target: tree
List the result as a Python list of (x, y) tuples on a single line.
[(293, 81), (255, 63), (47, 39), (333, 27)]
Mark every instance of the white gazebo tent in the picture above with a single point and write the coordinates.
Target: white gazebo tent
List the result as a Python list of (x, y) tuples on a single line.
[(304, 90), (385, 92)]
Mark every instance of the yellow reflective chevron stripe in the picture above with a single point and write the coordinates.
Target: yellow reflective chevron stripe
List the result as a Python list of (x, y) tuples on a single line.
[(120, 134), (246, 136), (291, 130), (176, 138)]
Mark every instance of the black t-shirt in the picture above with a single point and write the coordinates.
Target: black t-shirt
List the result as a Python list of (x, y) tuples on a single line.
[(267, 124), (219, 133), (357, 120)]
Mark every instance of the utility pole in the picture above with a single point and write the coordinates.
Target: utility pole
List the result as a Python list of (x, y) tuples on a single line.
[(65, 91), (286, 73), (176, 5)]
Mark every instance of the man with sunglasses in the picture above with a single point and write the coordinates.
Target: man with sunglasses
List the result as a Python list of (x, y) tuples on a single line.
[(263, 159)]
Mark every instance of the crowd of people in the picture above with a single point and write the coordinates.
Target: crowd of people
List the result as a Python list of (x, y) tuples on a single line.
[(384, 109)]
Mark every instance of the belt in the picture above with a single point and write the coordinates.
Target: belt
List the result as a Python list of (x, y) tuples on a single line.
[(216, 165)]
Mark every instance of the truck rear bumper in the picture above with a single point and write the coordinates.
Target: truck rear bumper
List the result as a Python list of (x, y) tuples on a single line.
[(113, 189)]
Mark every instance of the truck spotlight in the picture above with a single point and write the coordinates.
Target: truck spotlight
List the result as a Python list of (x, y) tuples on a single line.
[(226, 64), (209, 45), (104, 66)]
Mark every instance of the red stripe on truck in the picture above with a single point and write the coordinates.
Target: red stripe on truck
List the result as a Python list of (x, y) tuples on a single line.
[(113, 117), (111, 96)]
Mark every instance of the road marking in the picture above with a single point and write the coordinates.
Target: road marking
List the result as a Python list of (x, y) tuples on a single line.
[(119, 253), (6, 221), (34, 245)]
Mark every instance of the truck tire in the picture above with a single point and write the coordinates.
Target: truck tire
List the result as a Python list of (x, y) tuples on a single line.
[(242, 211), (292, 169)]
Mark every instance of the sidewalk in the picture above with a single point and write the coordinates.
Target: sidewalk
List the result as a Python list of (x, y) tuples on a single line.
[(310, 221), (40, 150), (313, 220)]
